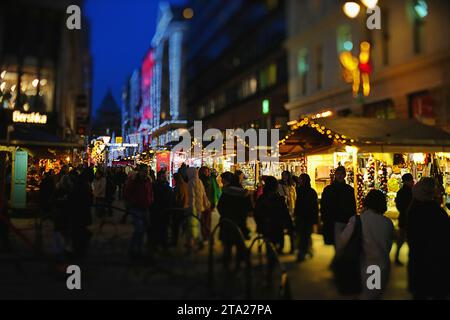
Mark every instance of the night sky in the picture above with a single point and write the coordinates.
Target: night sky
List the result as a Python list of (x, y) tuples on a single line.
[(121, 33)]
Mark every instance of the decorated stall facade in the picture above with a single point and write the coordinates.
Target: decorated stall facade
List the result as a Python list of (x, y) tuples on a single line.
[(375, 152)]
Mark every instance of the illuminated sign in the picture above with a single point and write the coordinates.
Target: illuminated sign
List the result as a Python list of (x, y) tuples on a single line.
[(125, 145), (146, 83), (34, 117)]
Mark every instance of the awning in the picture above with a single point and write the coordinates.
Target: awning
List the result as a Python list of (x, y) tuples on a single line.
[(26, 136), (368, 134)]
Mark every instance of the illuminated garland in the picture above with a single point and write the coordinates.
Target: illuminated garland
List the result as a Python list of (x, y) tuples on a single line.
[(360, 191), (382, 177), (337, 138), (350, 177), (371, 173)]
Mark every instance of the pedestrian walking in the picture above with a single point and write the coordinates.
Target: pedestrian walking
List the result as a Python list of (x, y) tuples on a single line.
[(428, 236), (198, 203), (286, 189), (376, 238), (139, 198), (337, 206), (234, 206), (80, 200), (159, 212), (271, 214), (99, 192), (403, 201), (306, 216), (180, 207)]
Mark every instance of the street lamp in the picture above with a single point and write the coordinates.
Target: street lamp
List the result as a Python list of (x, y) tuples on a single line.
[(351, 9)]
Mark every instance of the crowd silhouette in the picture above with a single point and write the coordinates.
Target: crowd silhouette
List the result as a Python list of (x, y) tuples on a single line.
[(290, 206)]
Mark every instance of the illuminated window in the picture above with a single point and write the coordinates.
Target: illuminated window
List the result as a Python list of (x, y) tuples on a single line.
[(344, 38), (420, 8), (268, 76), (248, 87), (36, 91), (201, 112), (303, 68), (380, 110)]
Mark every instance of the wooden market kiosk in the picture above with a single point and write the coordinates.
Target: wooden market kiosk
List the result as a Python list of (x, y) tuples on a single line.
[(375, 152), (23, 157)]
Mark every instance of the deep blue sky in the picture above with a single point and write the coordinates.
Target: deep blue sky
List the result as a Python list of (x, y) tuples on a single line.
[(121, 32)]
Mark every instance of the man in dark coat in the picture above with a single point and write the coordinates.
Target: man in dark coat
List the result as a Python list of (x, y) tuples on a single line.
[(272, 214), (428, 235), (306, 215), (80, 200), (235, 205), (403, 201), (337, 206), (159, 212)]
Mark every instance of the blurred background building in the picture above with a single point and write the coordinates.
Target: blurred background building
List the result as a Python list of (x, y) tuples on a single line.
[(107, 120), (236, 63), (45, 69), (410, 60), (152, 100)]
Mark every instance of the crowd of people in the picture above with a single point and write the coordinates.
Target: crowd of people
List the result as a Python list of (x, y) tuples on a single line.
[(287, 207)]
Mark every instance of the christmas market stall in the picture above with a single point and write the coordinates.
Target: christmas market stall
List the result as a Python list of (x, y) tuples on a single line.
[(375, 152)]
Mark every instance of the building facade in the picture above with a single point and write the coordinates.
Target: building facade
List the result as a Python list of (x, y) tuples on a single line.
[(236, 64), (154, 107), (37, 53), (408, 68)]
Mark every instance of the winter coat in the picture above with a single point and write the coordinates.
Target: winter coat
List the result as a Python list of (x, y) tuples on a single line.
[(99, 187), (47, 191), (290, 195), (80, 204), (209, 188), (181, 195), (402, 202), (235, 205), (198, 200), (272, 217), (163, 196), (306, 207), (338, 204), (139, 192), (376, 243), (428, 235)]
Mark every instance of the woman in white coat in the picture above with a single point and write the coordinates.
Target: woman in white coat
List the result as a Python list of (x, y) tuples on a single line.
[(377, 238), (198, 202)]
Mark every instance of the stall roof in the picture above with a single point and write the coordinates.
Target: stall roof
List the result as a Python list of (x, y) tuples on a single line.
[(310, 136), (389, 132), (24, 136)]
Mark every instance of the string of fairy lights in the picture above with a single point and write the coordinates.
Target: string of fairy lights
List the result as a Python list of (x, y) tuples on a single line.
[(295, 125)]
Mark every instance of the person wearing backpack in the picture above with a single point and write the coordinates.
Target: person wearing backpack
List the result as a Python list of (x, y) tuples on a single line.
[(372, 235)]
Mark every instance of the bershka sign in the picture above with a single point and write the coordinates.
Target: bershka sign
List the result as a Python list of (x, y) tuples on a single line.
[(34, 117)]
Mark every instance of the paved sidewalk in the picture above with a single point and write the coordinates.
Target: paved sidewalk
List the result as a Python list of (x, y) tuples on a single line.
[(108, 273)]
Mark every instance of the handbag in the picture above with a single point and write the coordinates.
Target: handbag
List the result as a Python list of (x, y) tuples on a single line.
[(347, 266)]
